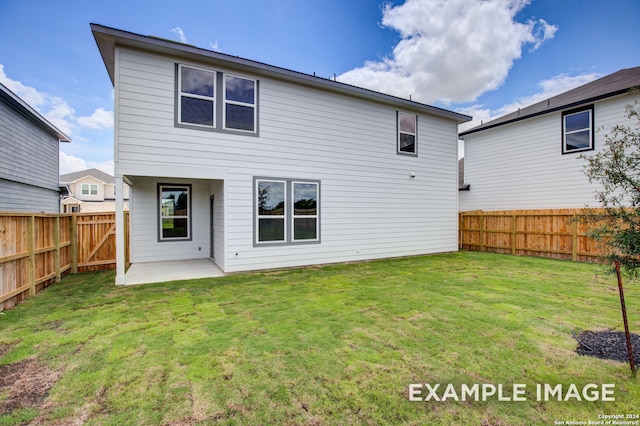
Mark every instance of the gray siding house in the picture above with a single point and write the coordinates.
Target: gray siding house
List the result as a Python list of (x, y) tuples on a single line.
[(29, 157), (258, 167), (530, 159)]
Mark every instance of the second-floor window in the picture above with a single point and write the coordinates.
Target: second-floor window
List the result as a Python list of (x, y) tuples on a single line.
[(577, 130), (239, 103), (197, 104), (216, 101), (407, 133), (89, 189)]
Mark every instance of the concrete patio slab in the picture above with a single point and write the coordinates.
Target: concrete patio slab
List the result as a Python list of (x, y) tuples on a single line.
[(157, 272)]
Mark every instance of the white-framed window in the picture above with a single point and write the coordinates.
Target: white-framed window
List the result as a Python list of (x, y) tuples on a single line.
[(287, 211), (239, 103), (174, 212), (271, 214), (89, 189), (577, 130), (197, 96), (216, 101), (407, 133), (305, 224)]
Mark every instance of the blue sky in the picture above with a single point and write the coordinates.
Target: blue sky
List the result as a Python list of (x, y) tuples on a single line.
[(482, 58)]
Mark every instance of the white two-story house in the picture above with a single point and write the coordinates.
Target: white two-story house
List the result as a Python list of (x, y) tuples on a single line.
[(255, 166), (90, 191), (533, 158)]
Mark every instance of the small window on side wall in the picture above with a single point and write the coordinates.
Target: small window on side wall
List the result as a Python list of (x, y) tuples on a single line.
[(577, 130), (174, 205), (407, 133)]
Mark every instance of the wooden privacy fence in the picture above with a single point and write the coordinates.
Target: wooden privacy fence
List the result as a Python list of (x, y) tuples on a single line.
[(37, 250), (557, 233)]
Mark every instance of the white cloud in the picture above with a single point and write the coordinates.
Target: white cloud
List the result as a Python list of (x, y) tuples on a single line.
[(60, 114), (178, 31), (548, 88), (26, 93), (70, 164), (53, 108), (543, 33), (56, 109), (100, 119), (450, 50)]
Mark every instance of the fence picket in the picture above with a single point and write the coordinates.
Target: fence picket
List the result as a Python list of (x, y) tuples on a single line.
[(39, 249), (553, 233)]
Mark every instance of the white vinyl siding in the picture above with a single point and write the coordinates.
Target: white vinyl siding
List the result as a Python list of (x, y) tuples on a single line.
[(370, 206), (145, 245), (520, 166)]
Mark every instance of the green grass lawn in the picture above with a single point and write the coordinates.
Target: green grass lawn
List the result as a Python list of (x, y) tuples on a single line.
[(336, 344)]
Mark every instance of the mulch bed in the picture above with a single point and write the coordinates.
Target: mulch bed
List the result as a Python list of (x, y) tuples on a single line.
[(608, 345)]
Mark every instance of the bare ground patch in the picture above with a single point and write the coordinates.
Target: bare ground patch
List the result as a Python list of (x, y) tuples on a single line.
[(25, 384)]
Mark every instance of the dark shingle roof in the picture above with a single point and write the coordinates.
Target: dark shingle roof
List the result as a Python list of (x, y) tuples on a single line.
[(605, 87), (98, 174)]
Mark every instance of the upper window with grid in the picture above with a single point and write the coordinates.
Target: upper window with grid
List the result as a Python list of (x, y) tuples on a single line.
[(216, 101), (407, 133), (577, 130), (197, 104), (239, 103)]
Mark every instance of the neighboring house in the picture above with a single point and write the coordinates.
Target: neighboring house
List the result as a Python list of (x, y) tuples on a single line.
[(29, 157), (90, 191), (261, 167), (529, 159)]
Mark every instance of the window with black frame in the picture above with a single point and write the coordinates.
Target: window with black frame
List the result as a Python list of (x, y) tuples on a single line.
[(577, 130), (174, 205)]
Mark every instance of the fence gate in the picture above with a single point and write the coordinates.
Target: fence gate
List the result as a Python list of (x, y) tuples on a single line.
[(96, 241)]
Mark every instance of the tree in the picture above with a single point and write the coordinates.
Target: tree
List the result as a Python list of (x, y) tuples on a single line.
[(616, 168)]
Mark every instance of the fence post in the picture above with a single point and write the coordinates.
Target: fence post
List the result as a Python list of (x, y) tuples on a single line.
[(56, 241), (31, 249), (514, 228), (481, 231), (460, 223), (74, 243), (574, 241)]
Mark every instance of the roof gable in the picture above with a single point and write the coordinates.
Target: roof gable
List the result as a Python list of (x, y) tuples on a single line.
[(605, 87), (94, 173)]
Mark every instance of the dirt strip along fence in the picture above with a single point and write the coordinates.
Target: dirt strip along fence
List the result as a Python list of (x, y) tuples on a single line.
[(553, 233), (37, 250)]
